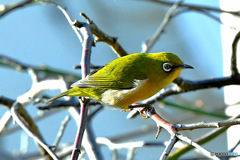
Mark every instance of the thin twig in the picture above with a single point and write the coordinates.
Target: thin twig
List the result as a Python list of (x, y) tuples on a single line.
[(81, 128), (235, 146), (203, 11), (6, 101), (196, 7), (234, 68), (4, 121), (85, 65), (102, 37), (35, 119), (60, 132), (86, 51), (15, 109), (20, 66), (70, 21), (130, 154), (187, 86), (40, 86), (149, 112), (204, 139), (197, 146), (87, 138), (5, 9), (90, 144), (181, 127), (149, 44), (127, 145), (169, 147)]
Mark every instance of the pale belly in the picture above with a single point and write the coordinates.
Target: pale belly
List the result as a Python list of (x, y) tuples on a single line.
[(124, 98)]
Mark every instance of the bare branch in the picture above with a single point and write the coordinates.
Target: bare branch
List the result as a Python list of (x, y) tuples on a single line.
[(197, 146), (61, 131), (85, 65), (187, 86), (39, 86), (90, 144), (6, 101), (81, 128), (70, 21), (196, 7), (234, 55), (35, 119), (149, 44), (203, 11), (5, 9), (169, 147), (199, 125), (4, 121), (206, 138), (29, 127), (127, 145), (20, 66), (131, 153), (103, 37)]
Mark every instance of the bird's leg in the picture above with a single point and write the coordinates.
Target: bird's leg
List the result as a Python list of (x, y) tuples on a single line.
[(149, 112), (144, 112), (128, 110), (141, 108), (134, 105)]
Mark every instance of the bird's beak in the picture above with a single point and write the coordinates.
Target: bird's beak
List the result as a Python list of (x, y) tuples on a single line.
[(184, 66)]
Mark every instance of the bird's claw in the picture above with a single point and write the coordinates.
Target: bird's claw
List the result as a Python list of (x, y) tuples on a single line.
[(145, 112), (128, 110)]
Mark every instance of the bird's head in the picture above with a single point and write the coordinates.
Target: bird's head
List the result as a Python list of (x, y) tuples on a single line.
[(171, 64)]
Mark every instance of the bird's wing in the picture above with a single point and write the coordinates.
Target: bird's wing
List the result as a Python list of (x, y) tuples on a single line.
[(114, 75), (98, 82), (104, 82), (108, 82)]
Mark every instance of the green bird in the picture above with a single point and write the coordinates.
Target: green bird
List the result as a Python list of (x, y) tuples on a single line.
[(128, 79)]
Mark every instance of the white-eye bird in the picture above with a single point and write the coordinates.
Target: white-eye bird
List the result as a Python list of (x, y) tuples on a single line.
[(128, 79)]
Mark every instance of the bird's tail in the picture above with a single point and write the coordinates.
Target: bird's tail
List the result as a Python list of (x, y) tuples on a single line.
[(56, 97)]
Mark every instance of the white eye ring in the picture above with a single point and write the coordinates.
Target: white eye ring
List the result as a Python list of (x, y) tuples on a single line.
[(167, 67)]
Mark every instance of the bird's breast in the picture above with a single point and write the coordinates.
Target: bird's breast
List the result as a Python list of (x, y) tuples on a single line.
[(123, 98)]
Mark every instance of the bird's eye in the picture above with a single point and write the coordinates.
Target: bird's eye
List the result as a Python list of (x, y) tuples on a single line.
[(167, 67)]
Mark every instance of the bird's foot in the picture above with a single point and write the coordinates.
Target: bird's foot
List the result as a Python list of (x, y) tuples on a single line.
[(145, 112)]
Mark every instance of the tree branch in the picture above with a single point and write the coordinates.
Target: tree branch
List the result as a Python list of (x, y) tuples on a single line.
[(20, 66), (5, 9), (167, 150), (196, 7), (234, 55), (204, 139), (25, 121), (103, 37), (184, 86), (197, 146), (149, 44), (6, 101), (61, 131), (218, 124)]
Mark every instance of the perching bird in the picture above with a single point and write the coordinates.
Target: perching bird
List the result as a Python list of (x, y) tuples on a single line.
[(128, 79)]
